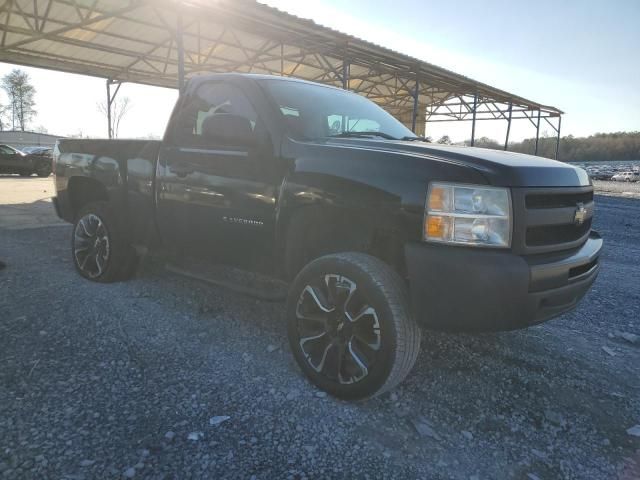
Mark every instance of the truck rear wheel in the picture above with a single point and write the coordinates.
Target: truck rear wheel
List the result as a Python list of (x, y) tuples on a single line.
[(99, 245), (349, 325)]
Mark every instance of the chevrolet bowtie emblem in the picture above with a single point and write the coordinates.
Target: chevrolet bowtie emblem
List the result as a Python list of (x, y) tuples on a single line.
[(580, 215)]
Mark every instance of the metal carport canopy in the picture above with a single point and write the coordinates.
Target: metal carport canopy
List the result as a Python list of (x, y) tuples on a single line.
[(153, 41)]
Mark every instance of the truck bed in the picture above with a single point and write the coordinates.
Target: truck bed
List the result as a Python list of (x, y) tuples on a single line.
[(120, 171)]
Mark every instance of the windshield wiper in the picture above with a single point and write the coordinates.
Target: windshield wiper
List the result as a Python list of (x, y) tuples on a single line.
[(363, 134), (413, 139)]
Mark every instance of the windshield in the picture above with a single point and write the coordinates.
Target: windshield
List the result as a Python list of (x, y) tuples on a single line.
[(9, 150), (315, 111)]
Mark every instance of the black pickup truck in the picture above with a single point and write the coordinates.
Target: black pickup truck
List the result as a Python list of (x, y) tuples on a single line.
[(378, 232)]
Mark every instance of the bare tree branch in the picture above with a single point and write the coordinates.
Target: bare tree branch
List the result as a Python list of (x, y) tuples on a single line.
[(119, 108)]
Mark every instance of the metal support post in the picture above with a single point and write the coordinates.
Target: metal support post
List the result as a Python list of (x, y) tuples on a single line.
[(345, 74), (537, 133), (506, 140), (110, 100), (109, 130), (180, 47), (414, 116), (558, 138), (473, 120)]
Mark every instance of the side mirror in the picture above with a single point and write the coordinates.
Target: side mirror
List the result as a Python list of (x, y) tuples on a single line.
[(228, 129)]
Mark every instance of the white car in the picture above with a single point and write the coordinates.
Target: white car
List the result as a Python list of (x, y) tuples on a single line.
[(626, 177)]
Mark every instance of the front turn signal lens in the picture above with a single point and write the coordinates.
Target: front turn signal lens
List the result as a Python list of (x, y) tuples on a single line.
[(437, 199), (437, 227)]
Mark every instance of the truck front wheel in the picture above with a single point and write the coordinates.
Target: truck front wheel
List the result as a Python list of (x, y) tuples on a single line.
[(99, 245), (349, 325)]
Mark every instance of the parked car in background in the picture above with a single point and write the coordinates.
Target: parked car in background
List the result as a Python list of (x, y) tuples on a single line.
[(26, 164), (37, 150), (626, 177), (598, 175)]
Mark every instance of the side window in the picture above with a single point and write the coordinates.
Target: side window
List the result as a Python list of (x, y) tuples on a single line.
[(5, 150), (216, 114), (335, 124)]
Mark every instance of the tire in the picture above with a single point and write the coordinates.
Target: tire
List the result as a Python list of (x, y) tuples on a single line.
[(350, 327), (99, 245), (43, 170), (26, 174)]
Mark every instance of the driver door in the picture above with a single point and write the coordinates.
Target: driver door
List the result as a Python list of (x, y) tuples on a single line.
[(216, 198)]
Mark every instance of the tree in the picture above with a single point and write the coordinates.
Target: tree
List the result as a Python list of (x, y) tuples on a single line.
[(3, 115), (598, 147), (119, 109), (21, 98), (485, 142)]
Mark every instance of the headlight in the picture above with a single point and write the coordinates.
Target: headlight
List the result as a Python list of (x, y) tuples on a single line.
[(468, 215)]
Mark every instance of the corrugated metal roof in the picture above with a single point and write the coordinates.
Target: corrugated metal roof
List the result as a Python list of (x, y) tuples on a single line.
[(135, 40), (19, 139)]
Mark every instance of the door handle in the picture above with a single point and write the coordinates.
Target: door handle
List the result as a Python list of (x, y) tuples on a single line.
[(181, 171)]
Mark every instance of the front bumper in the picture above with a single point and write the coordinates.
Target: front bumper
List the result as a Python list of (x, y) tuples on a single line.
[(472, 289)]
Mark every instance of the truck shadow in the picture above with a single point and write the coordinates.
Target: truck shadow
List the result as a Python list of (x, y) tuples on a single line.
[(35, 214)]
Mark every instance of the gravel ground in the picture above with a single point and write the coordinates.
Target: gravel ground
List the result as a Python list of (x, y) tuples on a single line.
[(137, 379), (617, 189)]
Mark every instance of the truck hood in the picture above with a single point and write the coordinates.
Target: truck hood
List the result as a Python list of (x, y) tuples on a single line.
[(500, 168)]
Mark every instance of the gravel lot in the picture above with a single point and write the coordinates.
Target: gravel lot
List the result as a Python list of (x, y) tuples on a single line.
[(617, 189), (136, 380)]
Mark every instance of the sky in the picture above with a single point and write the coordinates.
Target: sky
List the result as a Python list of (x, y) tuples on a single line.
[(578, 55)]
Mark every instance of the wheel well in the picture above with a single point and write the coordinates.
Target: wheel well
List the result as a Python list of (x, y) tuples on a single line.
[(313, 232), (83, 190)]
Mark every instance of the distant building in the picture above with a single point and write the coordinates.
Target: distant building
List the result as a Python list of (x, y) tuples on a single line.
[(18, 139)]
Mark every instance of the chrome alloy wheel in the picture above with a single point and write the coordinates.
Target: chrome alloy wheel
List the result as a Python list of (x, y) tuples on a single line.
[(338, 331), (91, 245)]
